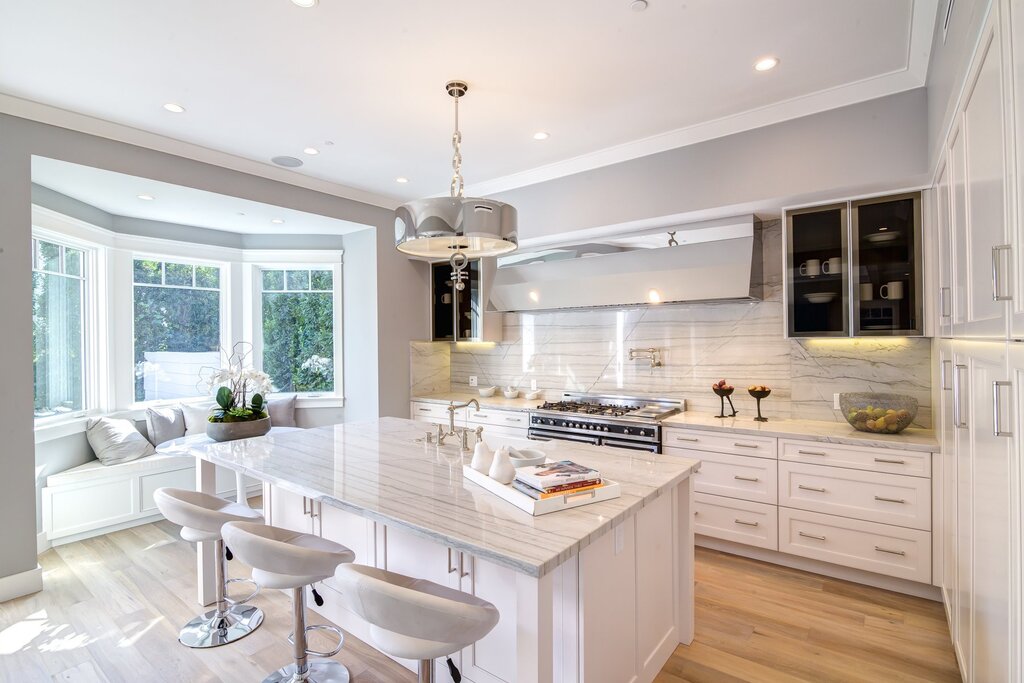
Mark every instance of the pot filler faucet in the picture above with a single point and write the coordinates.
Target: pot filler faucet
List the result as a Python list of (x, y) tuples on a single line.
[(462, 433), (652, 354)]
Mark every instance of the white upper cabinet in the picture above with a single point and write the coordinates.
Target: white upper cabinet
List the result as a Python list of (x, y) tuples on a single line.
[(982, 238), (1015, 23), (943, 228)]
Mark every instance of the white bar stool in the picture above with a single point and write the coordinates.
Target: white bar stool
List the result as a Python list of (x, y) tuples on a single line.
[(201, 517), (281, 558), (414, 618)]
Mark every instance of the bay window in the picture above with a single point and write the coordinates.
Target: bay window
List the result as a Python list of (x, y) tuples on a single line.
[(297, 328), (177, 333), (58, 327)]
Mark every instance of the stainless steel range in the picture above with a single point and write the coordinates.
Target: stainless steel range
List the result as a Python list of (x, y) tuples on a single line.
[(620, 421)]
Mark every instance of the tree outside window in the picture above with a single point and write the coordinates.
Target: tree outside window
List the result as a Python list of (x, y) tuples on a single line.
[(298, 329)]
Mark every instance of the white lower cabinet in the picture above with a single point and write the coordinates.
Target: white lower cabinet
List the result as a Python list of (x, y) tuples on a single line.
[(511, 423), (740, 521)]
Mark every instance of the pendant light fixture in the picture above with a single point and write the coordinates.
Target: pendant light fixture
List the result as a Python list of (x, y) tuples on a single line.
[(456, 228)]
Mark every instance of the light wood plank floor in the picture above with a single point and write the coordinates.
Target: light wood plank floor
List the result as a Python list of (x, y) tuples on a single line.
[(113, 605)]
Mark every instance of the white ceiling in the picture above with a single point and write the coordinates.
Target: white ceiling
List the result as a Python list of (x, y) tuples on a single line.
[(261, 78), (118, 194)]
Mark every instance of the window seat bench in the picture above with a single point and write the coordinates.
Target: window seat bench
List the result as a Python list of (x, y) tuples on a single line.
[(94, 499)]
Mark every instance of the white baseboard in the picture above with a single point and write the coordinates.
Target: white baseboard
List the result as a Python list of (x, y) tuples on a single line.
[(835, 571), (42, 543), (24, 583)]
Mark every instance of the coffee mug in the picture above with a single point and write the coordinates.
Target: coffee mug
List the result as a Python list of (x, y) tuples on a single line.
[(891, 290), (865, 292), (810, 267), (833, 266)]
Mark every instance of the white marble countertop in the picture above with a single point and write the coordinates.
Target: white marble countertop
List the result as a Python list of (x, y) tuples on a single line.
[(382, 471), (911, 439), (496, 402)]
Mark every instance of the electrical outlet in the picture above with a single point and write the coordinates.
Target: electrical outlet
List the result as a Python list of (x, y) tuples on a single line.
[(835, 401), (472, 382), (533, 385)]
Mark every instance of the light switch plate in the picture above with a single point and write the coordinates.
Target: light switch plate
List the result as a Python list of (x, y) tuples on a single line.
[(472, 380), (835, 401), (533, 385)]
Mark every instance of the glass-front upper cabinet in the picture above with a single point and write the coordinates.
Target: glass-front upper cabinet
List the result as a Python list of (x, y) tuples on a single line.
[(854, 268), (462, 315), (818, 290), (886, 238)]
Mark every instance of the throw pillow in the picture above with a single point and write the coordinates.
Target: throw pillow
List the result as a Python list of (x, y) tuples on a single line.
[(164, 424), (196, 417), (282, 412), (116, 441)]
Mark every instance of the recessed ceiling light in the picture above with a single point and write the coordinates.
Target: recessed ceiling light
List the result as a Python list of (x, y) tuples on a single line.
[(401, 179), (277, 221), (146, 197), (766, 64), (312, 151), (174, 108), (287, 162), (541, 135), (305, 3), (638, 5)]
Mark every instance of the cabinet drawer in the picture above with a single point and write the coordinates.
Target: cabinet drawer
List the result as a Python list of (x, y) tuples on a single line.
[(741, 521), (718, 442), (736, 476), (500, 418), (436, 413), (879, 548), (888, 460), (885, 498)]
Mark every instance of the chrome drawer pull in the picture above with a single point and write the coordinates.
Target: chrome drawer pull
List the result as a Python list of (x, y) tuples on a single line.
[(891, 461), (745, 445), (997, 289), (891, 552), (745, 478), (740, 521), (512, 419), (810, 488), (686, 438), (423, 410), (811, 453), (481, 415), (806, 535), (890, 500)]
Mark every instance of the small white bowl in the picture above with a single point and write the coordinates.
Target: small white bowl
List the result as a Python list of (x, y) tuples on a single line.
[(511, 394), (527, 457), (534, 395), (487, 392)]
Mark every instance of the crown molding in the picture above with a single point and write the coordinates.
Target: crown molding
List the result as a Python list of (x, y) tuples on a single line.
[(83, 123)]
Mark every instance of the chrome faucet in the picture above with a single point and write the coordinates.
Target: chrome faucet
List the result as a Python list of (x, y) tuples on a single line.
[(462, 433), (651, 354)]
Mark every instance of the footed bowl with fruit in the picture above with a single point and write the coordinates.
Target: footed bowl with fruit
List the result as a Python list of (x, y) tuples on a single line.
[(759, 390), (878, 413)]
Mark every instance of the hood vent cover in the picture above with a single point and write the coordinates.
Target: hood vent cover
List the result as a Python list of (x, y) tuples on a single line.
[(714, 261)]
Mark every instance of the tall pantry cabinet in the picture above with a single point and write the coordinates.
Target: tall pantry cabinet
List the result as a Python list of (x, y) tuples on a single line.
[(979, 311)]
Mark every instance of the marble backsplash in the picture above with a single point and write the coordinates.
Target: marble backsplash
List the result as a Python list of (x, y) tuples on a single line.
[(742, 342)]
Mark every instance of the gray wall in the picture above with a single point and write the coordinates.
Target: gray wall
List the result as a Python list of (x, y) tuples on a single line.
[(19, 140), (867, 147), (948, 66)]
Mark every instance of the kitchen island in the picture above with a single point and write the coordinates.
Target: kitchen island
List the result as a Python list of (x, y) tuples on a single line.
[(602, 592)]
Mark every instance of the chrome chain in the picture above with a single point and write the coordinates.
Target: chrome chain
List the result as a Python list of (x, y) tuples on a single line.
[(458, 185)]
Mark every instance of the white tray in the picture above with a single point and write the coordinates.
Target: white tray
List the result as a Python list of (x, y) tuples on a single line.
[(524, 502)]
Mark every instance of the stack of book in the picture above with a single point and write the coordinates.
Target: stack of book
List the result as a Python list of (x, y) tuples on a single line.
[(556, 479)]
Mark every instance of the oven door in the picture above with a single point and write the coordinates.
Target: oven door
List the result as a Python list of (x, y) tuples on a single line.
[(632, 445), (549, 434)]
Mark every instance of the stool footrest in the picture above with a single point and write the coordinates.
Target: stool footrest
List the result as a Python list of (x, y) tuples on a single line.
[(240, 601), (322, 627)]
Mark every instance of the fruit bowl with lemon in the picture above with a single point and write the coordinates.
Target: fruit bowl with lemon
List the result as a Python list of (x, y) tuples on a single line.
[(878, 413)]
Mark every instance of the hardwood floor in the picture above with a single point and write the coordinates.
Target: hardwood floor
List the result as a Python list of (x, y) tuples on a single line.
[(113, 605)]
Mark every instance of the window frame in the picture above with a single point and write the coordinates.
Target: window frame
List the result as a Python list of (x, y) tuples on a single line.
[(304, 260), (224, 313), (93, 321)]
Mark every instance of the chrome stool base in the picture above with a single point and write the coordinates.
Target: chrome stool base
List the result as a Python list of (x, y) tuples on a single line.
[(323, 671), (211, 630)]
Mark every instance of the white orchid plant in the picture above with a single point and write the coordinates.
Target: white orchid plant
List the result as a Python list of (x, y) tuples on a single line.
[(240, 388)]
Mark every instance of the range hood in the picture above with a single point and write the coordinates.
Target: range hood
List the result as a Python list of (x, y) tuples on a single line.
[(713, 261)]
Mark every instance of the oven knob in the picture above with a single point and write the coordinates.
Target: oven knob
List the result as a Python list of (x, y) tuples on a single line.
[(590, 427), (642, 433), (625, 430), (605, 429)]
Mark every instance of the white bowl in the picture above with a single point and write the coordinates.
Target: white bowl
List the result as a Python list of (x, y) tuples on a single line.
[(487, 392), (820, 297), (534, 395), (511, 394), (527, 457)]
